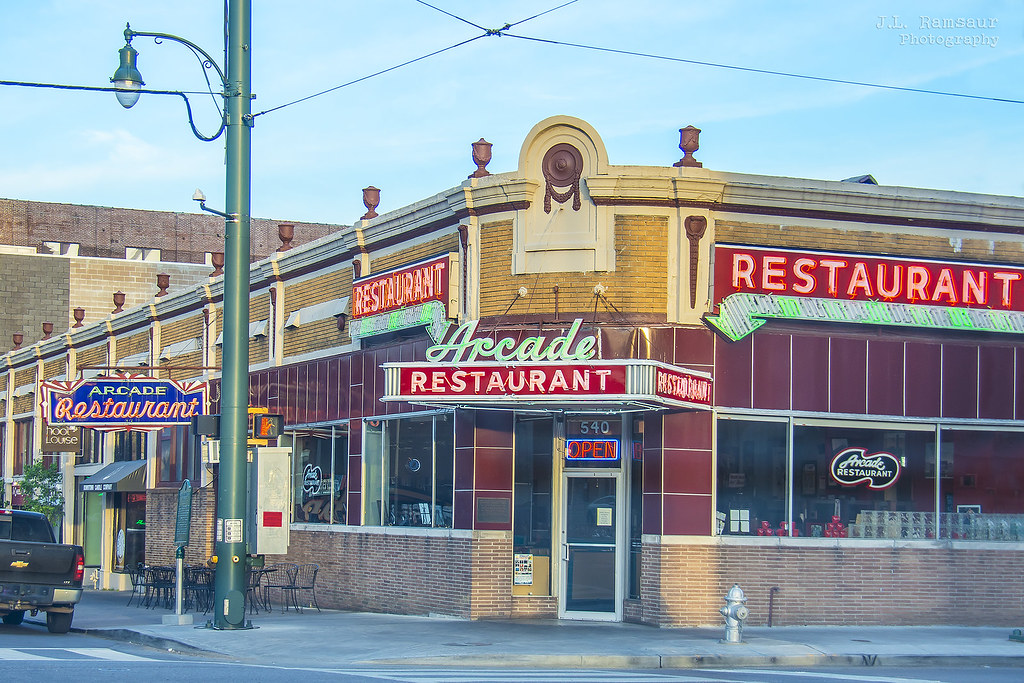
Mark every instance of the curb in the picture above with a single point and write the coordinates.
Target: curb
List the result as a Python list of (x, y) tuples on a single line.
[(700, 661)]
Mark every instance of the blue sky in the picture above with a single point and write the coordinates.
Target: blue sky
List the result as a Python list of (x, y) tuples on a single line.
[(408, 132)]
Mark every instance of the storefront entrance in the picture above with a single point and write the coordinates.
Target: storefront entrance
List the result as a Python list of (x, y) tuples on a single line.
[(591, 547)]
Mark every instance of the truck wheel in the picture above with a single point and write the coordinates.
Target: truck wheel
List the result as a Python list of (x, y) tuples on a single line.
[(14, 618), (59, 622)]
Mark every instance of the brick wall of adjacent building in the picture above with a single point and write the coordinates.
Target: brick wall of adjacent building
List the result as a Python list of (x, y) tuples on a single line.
[(105, 231), (838, 583), (34, 290)]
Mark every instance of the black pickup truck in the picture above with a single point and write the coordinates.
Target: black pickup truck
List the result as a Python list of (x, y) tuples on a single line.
[(37, 574)]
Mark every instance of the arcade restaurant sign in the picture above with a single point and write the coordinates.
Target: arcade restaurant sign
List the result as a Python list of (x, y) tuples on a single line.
[(465, 369), (754, 284), (122, 402)]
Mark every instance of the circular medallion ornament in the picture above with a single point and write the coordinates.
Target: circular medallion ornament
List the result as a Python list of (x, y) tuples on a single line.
[(562, 167), (413, 465)]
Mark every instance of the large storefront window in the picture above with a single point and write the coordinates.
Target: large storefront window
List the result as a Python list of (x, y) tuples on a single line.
[(844, 476), (878, 481), (751, 476), (320, 469), (981, 485), (531, 521), (409, 471), (130, 530)]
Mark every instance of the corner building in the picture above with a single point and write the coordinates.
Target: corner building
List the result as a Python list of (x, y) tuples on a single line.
[(587, 391)]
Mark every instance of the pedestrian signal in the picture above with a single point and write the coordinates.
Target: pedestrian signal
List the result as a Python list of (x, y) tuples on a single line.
[(266, 426)]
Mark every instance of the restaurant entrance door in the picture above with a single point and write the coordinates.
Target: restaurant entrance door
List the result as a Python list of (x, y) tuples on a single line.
[(591, 546)]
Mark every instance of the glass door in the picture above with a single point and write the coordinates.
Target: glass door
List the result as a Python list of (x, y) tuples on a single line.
[(591, 547)]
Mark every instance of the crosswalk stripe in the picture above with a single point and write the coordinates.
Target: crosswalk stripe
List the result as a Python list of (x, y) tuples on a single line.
[(12, 654), (60, 654), (108, 654)]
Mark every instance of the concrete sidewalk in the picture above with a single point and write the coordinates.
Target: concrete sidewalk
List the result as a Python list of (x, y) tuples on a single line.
[(340, 639)]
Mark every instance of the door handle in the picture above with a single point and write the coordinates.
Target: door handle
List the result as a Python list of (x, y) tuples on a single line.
[(565, 552)]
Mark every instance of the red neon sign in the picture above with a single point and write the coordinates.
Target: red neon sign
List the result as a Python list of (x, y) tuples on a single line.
[(867, 278), (397, 289), (591, 449), (505, 380)]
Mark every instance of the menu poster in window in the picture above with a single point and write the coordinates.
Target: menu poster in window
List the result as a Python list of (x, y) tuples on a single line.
[(522, 569)]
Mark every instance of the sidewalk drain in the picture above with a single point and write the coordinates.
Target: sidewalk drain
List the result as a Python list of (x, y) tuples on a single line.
[(468, 644), (860, 640)]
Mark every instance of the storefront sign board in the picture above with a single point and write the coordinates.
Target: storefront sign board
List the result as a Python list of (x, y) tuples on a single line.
[(424, 293), (123, 402), (592, 449), (754, 284), (606, 382), (61, 439)]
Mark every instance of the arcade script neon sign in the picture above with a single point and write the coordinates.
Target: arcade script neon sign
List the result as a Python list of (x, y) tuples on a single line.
[(853, 466), (754, 284), (123, 402)]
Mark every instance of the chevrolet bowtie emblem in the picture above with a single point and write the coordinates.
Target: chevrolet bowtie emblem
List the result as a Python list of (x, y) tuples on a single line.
[(20, 564)]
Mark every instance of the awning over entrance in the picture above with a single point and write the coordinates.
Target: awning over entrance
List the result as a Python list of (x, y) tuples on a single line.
[(119, 476)]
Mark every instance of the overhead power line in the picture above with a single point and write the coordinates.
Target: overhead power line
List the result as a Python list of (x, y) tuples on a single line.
[(503, 31), (769, 72)]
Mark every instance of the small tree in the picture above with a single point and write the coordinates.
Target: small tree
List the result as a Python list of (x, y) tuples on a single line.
[(42, 489)]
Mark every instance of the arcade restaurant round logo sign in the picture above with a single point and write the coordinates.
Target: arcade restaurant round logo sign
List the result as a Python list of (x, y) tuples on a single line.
[(853, 466)]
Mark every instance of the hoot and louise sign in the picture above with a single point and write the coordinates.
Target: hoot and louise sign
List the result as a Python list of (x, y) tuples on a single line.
[(465, 369), (754, 284), (123, 402), (421, 294)]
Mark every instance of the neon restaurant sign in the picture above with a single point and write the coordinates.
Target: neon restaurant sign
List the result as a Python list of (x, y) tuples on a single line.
[(510, 371), (754, 284), (123, 402), (421, 294)]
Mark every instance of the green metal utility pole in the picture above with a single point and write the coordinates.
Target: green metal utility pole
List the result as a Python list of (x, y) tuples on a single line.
[(230, 579)]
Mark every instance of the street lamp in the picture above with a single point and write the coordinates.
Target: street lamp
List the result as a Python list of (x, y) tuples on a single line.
[(230, 579)]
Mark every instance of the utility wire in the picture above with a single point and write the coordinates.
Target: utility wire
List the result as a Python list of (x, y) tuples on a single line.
[(486, 32), (465, 21), (765, 71), (503, 31), (368, 76), (508, 26)]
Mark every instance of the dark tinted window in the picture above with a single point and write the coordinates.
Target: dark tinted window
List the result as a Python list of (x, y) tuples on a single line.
[(30, 528)]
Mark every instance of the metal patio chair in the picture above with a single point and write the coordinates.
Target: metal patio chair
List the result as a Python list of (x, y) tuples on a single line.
[(305, 581), (278, 577)]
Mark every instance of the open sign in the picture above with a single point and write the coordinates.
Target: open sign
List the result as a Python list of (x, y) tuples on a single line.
[(591, 449)]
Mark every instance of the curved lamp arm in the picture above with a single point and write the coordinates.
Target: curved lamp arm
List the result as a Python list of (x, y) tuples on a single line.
[(207, 61), (129, 80)]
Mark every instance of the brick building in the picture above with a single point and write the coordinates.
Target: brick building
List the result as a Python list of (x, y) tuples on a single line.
[(590, 391), (59, 257)]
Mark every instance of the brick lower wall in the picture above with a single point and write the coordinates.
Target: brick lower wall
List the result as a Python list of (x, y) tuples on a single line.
[(837, 584), (161, 513), (368, 570)]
